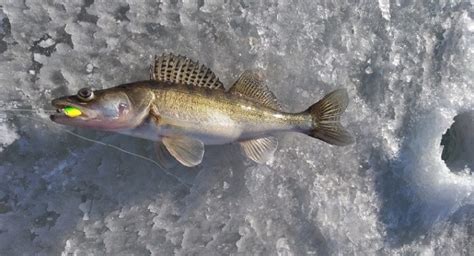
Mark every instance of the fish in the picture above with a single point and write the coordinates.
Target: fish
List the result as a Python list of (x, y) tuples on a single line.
[(183, 106)]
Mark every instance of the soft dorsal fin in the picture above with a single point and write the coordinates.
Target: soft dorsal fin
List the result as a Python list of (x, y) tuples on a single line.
[(260, 150), (252, 85), (182, 70)]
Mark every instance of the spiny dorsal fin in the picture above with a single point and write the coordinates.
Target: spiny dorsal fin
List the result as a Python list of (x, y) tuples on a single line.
[(182, 70), (260, 150), (252, 85)]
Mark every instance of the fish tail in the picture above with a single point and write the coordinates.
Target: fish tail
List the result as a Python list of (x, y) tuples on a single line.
[(326, 114)]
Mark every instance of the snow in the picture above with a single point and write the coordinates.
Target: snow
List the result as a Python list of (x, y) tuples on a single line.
[(406, 64), (7, 135)]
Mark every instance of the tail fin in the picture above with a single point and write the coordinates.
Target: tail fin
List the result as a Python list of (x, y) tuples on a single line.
[(326, 115)]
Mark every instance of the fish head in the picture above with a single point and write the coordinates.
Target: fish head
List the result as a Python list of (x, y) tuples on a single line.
[(113, 109)]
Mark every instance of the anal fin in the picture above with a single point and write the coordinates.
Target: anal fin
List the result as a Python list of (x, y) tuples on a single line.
[(187, 151), (260, 150)]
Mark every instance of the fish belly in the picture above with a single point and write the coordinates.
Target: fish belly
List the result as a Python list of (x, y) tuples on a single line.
[(215, 129)]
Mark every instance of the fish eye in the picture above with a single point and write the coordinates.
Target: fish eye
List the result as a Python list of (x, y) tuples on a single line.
[(122, 107), (85, 94)]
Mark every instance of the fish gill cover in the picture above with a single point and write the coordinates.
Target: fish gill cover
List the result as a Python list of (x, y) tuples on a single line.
[(406, 64)]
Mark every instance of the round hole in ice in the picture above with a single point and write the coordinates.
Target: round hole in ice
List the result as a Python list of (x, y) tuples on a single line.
[(458, 143)]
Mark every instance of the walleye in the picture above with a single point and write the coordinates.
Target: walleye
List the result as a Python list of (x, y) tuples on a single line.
[(184, 106)]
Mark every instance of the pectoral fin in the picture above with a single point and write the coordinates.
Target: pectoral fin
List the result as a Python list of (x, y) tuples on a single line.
[(187, 151), (260, 150), (164, 157)]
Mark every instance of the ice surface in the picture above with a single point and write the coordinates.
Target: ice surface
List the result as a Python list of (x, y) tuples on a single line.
[(406, 64)]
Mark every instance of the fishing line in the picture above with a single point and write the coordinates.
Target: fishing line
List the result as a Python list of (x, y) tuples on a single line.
[(28, 110), (98, 142)]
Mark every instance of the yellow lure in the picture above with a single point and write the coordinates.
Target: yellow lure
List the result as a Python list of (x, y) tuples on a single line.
[(71, 111)]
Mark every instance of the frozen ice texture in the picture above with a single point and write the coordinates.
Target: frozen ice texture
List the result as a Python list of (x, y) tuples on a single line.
[(406, 64)]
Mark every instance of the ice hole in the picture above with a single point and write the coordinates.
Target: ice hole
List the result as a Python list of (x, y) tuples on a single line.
[(458, 143)]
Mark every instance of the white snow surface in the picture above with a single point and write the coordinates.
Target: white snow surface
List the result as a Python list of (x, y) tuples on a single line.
[(408, 68)]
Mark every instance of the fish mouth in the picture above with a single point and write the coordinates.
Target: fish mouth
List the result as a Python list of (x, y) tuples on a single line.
[(60, 115)]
